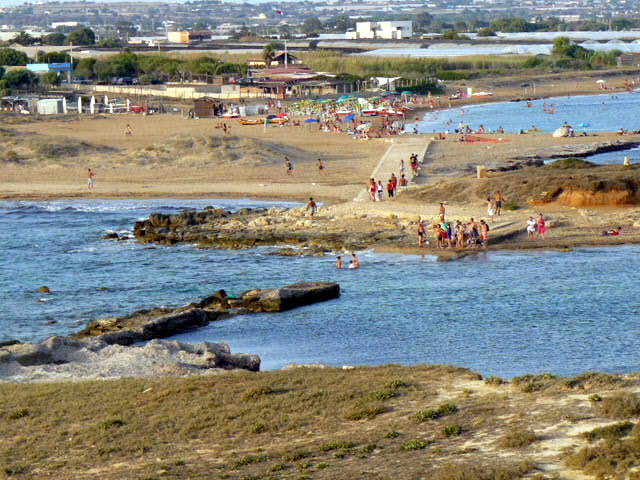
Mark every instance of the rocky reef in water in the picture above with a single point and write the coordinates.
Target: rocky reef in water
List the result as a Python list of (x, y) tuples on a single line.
[(105, 347), (247, 228)]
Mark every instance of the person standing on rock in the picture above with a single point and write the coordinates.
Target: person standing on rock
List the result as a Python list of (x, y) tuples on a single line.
[(498, 198), (312, 206), (484, 233), (90, 179), (542, 227), (421, 233)]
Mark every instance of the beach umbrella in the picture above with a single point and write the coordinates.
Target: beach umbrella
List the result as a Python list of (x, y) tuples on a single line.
[(349, 118), (310, 120)]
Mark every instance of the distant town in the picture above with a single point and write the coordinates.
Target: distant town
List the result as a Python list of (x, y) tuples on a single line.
[(115, 24)]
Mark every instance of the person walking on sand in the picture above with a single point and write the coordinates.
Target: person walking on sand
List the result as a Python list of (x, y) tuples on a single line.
[(379, 190), (402, 170), (531, 227), (421, 233), (312, 206), (441, 211), (542, 227), (288, 166), (129, 130), (484, 233), (498, 198), (390, 189), (339, 262), (90, 179), (320, 165), (394, 181), (372, 188), (490, 209)]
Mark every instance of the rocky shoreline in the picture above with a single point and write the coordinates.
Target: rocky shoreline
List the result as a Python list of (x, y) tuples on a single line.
[(111, 347)]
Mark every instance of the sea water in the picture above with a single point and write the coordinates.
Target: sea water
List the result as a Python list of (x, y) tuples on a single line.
[(500, 313), (586, 113)]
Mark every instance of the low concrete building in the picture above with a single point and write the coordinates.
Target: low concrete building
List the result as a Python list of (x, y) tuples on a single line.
[(188, 37), (382, 30)]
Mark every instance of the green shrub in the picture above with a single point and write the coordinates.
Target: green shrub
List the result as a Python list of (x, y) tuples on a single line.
[(434, 414), (571, 162), (392, 434), (494, 380), (19, 413), (452, 430), (594, 397), (258, 392), (296, 456), (258, 427), (364, 410), (414, 445), (114, 422), (336, 445), (250, 459)]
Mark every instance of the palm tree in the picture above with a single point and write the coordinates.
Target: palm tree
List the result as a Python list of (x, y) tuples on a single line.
[(268, 54)]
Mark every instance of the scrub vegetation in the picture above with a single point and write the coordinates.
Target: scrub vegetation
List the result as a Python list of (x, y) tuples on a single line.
[(316, 423)]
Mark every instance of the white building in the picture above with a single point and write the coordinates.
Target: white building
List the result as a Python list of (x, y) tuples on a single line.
[(384, 30)]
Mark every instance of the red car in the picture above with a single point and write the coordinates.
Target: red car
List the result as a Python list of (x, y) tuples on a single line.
[(137, 108)]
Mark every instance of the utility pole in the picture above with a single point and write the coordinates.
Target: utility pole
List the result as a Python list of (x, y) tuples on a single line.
[(286, 59), (71, 62)]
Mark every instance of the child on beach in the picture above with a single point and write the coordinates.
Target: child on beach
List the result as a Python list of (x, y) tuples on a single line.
[(90, 179), (531, 227), (380, 191), (490, 209)]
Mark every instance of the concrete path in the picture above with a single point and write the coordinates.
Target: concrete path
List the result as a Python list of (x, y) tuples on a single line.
[(399, 149)]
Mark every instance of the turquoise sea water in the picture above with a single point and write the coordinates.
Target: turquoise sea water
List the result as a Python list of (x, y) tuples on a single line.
[(601, 113), (500, 313)]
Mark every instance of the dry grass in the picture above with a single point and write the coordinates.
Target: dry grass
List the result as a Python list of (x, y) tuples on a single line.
[(324, 424), (517, 438), (610, 432), (621, 405)]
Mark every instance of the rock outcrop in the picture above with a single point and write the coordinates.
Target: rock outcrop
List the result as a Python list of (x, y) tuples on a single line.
[(248, 228), (163, 322), (580, 149), (291, 296), (66, 358)]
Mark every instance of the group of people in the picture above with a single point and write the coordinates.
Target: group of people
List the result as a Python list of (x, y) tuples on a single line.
[(456, 234), (353, 263), (376, 189), (536, 227)]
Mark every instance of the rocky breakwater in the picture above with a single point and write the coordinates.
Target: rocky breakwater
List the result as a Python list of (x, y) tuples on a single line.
[(247, 228), (103, 349)]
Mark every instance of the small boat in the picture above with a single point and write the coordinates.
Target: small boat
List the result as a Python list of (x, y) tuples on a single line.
[(344, 112), (371, 112), (247, 121), (278, 120), (231, 115)]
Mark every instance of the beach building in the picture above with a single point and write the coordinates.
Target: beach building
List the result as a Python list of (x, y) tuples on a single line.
[(382, 30), (186, 37)]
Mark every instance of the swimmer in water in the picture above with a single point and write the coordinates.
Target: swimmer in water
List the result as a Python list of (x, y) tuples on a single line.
[(339, 262)]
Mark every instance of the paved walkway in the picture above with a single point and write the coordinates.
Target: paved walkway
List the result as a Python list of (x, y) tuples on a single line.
[(400, 149)]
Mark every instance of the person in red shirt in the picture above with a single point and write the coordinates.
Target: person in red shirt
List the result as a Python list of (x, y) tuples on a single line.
[(390, 188)]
